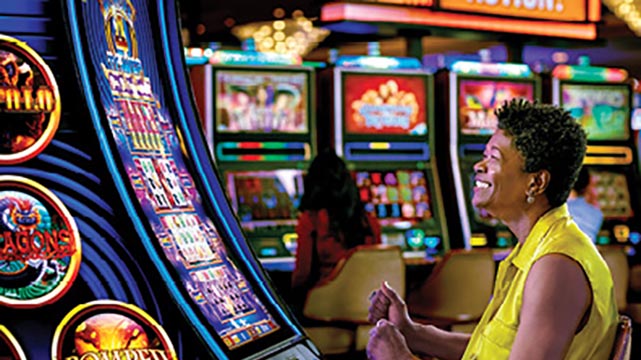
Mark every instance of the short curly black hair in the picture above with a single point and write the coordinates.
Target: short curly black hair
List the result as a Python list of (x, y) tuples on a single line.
[(549, 139)]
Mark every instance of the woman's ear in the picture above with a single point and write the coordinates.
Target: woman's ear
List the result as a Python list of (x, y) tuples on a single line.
[(539, 182)]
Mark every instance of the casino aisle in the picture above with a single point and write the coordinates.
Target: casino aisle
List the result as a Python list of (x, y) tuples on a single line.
[(112, 242), (405, 93)]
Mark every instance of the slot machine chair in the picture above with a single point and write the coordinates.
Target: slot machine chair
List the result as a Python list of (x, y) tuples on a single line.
[(457, 291), (617, 261), (624, 279), (622, 347), (634, 308), (339, 305)]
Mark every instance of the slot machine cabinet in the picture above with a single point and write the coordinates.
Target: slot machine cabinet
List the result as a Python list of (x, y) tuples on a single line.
[(601, 99), (383, 121), (470, 92), (260, 126), (636, 118)]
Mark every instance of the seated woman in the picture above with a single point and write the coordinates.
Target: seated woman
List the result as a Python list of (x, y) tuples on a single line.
[(553, 296), (332, 221)]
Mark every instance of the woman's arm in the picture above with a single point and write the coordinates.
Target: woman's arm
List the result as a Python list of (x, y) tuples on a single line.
[(432, 341), (556, 297), (385, 303)]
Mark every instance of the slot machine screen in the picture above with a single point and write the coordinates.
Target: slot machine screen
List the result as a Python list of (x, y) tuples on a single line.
[(602, 109), (266, 197), (393, 104), (612, 194), (253, 101), (395, 195), (636, 112), (477, 100)]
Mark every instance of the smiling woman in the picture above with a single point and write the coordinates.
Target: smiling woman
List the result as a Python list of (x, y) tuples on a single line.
[(553, 294)]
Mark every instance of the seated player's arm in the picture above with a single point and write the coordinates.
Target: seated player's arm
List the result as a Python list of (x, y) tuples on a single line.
[(555, 299), (385, 303), (432, 341)]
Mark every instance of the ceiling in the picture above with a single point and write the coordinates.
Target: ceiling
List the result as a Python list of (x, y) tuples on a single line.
[(211, 21)]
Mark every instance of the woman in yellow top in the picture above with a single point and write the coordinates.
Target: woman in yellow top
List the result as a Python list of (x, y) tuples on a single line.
[(553, 296)]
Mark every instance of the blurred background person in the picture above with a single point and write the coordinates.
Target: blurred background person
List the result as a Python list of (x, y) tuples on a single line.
[(332, 221), (583, 205)]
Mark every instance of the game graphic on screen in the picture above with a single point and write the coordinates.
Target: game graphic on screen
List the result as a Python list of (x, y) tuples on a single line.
[(261, 102), (602, 110), (612, 194), (267, 197), (149, 147), (392, 196), (385, 104), (478, 99)]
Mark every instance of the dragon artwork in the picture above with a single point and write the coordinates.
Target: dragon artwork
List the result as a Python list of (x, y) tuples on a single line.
[(23, 214)]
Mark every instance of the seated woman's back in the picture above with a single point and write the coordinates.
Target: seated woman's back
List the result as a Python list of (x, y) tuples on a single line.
[(329, 248), (332, 220)]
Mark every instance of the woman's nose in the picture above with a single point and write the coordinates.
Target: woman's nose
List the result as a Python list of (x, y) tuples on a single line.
[(479, 166)]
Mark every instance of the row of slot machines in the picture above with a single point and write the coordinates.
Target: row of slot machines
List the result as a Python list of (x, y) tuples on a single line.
[(391, 120), (116, 237)]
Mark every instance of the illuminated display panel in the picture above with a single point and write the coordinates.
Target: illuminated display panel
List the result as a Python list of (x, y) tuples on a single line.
[(602, 109), (252, 101), (130, 91), (393, 104), (395, 195), (612, 194), (266, 197), (477, 100)]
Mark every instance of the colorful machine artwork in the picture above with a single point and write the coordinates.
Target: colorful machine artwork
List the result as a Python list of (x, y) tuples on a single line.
[(108, 329), (256, 102), (385, 104), (602, 109), (29, 102), (478, 99), (39, 244)]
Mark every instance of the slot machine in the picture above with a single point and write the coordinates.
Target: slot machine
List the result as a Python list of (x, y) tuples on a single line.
[(636, 119), (470, 93), (601, 100), (260, 126), (149, 258), (383, 121)]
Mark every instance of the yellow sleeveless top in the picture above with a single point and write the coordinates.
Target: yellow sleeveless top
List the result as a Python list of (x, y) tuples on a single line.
[(554, 232)]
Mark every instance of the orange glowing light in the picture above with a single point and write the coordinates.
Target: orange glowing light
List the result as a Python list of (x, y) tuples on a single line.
[(334, 12)]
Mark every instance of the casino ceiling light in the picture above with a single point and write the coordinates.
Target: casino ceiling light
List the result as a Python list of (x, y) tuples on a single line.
[(286, 36), (628, 11)]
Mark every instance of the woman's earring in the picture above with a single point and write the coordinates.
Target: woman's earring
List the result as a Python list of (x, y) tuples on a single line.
[(530, 198)]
